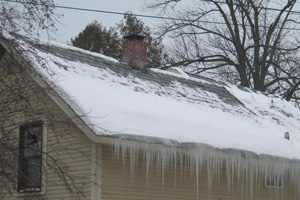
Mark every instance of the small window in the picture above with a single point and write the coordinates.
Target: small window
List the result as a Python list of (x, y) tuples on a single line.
[(2, 51), (30, 158), (275, 182)]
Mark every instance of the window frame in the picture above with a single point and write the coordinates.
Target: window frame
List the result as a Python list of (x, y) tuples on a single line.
[(270, 182), (22, 129)]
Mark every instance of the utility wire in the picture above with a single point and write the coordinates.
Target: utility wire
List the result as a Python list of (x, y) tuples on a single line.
[(94, 10), (139, 15), (115, 13)]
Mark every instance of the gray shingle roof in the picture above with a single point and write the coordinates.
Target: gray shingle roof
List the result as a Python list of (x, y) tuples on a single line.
[(164, 80), (167, 106)]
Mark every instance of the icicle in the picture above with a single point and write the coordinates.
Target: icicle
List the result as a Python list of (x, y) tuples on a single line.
[(245, 169)]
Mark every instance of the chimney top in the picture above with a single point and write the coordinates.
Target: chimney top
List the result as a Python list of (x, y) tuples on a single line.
[(134, 36), (135, 51)]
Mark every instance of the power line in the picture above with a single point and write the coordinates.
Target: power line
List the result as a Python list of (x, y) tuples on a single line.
[(116, 13), (94, 10), (148, 16), (139, 15)]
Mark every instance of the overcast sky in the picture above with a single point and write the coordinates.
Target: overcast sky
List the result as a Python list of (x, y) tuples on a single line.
[(74, 21)]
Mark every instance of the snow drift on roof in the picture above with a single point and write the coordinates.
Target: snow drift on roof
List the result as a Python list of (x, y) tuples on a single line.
[(116, 100)]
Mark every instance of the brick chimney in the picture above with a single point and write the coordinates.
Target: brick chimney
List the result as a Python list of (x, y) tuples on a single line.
[(135, 51)]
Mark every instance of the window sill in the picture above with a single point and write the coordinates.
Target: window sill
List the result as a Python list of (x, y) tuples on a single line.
[(29, 193), (273, 187)]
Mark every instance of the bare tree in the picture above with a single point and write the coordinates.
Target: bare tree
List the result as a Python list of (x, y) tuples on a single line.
[(28, 16), (25, 108), (243, 41)]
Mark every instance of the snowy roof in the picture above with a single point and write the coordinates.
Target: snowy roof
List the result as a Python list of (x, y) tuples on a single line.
[(116, 100)]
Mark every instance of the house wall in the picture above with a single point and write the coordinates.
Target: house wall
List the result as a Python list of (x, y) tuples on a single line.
[(67, 151), (118, 182)]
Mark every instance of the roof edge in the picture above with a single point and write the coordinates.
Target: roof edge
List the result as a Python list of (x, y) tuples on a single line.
[(171, 144)]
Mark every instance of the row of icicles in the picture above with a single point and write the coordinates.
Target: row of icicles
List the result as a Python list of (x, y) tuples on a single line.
[(248, 169)]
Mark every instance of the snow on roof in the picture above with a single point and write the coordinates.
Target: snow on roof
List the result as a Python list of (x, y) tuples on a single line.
[(119, 101)]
